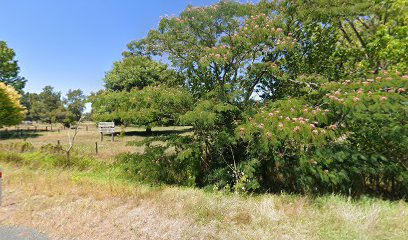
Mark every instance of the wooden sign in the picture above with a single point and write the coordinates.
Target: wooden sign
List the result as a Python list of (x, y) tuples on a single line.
[(106, 127)]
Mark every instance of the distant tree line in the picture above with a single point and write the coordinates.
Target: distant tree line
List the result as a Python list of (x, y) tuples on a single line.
[(48, 106)]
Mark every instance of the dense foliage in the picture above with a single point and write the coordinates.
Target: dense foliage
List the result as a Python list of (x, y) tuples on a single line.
[(297, 96), (9, 69), (49, 106), (11, 110), (151, 106)]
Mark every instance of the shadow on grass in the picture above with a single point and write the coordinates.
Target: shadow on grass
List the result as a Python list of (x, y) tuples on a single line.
[(144, 133), (19, 134)]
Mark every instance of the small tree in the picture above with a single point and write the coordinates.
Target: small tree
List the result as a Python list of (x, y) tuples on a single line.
[(11, 111)]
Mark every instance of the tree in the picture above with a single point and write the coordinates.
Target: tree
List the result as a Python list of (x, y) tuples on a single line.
[(137, 72), (48, 107), (288, 96), (9, 69), (11, 111), (75, 103), (151, 106)]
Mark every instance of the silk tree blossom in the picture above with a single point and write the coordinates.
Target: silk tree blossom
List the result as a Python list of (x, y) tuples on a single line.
[(383, 98), (333, 127)]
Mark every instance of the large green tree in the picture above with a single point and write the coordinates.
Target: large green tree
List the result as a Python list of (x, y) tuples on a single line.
[(300, 96), (9, 69)]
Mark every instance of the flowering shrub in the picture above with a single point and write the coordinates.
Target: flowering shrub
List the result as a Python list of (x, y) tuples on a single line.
[(352, 140)]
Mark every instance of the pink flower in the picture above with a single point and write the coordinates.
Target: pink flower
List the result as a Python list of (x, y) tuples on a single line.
[(280, 125), (401, 90), (405, 77), (333, 127), (261, 126), (378, 78), (337, 93), (296, 129), (390, 90), (356, 99), (271, 114), (398, 73), (389, 78), (268, 135), (315, 132), (287, 118), (360, 91), (383, 98), (292, 109), (312, 126), (323, 131)]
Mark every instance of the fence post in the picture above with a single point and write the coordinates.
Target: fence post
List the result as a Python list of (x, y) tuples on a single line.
[(1, 183), (96, 147), (86, 127), (113, 137), (101, 136), (46, 128), (58, 142)]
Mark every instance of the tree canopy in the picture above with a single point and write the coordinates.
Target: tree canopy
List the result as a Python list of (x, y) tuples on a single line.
[(9, 69), (11, 110)]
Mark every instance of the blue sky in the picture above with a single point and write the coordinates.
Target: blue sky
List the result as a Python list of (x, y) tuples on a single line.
[(70, 44)]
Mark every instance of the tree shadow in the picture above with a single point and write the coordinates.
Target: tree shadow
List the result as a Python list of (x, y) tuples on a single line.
[(19, 134), (144, 133)]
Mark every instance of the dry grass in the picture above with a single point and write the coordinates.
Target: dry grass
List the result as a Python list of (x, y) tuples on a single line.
[(68, 207), (85, 141)]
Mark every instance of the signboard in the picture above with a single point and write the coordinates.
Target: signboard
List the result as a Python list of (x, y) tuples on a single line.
[(106, 127)]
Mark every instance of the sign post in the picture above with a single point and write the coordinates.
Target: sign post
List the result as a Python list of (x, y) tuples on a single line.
[(1, 187), (106, 128)]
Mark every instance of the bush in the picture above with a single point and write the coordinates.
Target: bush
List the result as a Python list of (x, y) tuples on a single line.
[(161, 163)]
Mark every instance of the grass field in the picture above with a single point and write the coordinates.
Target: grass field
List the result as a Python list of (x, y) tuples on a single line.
[(87, 136), (95, 202)]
